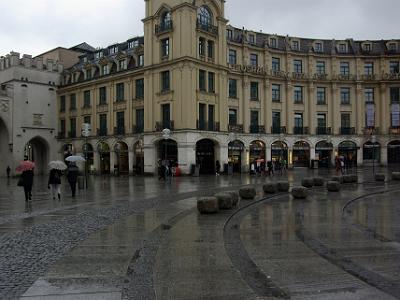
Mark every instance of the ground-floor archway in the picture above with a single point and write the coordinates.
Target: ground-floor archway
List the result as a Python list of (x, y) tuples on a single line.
[(104, 154), (205, 156), (301, 154), (139, 158), (168, 152), (348, 151), (323, 153), (279, 152), (5, 152), (37, 150), (257, 155), (371, 152), (235, 152), (393, 152), (122, 158), (88, 153)]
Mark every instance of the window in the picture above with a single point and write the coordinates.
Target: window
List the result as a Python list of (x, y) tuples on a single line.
[(298, 120), (133, 44), (210, 49), (87, 120), (276, 92), (369, 68), (62, 128), (103, 95), (369, 95), (166, 116), (318, 47), (202, 116), (62, 104), (253, 60), (165, 20), (298, 94), (345, 96), (120, 116), (394, 95), (321, 120), (367, 47), (204, 16), (276, 122), (113, 50), (72, 123), (103, 124), (392, 47), (202, 80), (254, 121), (298, 66), (229, 34), (345, 121), (232, 117), (122, 64), (165, 81), (342, 48), (211, 118), (86, 99), (140, 120), (321, 95), (211, 82), (98, 55), (202, 46), (295, 45), (88, 73), (254, 91), (141, 60), (344, 68), (232, 57), (105, 69), (139, 88), (273, 43), (394, 67), (251, 39), (165, 47), (276, 64), (120, 95), (320, 67), (232, 88), (72, 102)]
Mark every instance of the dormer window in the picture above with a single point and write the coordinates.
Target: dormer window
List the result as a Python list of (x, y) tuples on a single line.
[(133, 44), (392, 47), (122, 64), (342, 48), (165, 19), (318, 47), (273, 43), (367, 47), (98, 55), (105, 69), (251, 39), (85, 59), (114, 50), (295, 45), (229, 34)]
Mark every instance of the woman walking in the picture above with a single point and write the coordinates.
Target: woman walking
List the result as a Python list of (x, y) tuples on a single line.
[(72, 176), (27, 183), (54, 183)]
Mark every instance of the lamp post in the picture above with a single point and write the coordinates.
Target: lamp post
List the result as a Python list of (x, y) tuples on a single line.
[(373, 140), (166, 133), (232, 138), (329, 141), (86, 132)]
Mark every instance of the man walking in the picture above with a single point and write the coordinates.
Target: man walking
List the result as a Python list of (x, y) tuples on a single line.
[(8, 170)]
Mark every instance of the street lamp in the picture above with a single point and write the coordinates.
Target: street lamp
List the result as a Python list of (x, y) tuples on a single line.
[(329, 141), (373, 140), (232, 138), (166, 133), (86, 128)]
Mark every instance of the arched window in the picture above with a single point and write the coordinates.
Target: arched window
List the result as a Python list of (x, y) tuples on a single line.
[(165, 18), (204, 16)]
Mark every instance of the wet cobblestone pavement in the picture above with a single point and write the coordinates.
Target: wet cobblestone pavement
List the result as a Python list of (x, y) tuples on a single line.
[(138, 238)]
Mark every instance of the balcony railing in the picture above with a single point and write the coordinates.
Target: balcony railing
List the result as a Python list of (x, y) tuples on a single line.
[(278, 130), (207, 126), (347, 130), (207, 27), (323, 130), (164, 125), (257, 129), (370, 130), (102, 132), (119, 130), (300, 130), (163, 27), (137, 129), (394, 130), (235, 128), (72, 134)]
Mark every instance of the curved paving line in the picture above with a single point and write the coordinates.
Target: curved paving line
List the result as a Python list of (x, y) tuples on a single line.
[(139, 283), (250, 272)]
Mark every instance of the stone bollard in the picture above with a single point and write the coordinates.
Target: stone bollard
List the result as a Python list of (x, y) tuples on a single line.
[(224, 200), (319, 181), (337, 179), (283, 186), (380, 177), (333, 186), (235, 198), (248, 193), (396, 176), (299, 192), (307, 182), (270, 188), (354, 178), (347, 179), (207, 205)]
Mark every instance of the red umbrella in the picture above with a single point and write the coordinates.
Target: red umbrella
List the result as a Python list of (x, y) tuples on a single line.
[(25, 165)]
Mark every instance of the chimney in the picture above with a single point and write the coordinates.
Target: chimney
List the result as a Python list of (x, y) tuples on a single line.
[(14, 59), (27, 60)]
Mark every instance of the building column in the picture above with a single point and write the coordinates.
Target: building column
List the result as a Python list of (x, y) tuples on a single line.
[(223, 156), (96, 162), (311, 113), (360, 110), (312, 153), (131, 159), (246, 105), (335, 108), (186, 157), (360, 157), (384, 109), (113, 161), (384, 156), (268, 155), (289, 117), (267, 107)]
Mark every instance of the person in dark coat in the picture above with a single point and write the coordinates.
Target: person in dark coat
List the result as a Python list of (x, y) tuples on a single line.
[(8, 170), (27, 179), (54, 183), (72, 177)]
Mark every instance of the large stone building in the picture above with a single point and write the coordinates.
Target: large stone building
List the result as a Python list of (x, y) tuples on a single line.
[(231, 95)]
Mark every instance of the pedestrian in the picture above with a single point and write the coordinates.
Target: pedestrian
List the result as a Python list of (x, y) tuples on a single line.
[(342, 166), (217, 167), (8, 170), (72, 177), (54, 183), (27, 182), (270, 168)]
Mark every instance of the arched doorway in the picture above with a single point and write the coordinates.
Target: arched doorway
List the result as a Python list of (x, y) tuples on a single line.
[(88, 153), (122, 157), (5, 150), (139, 158), (301, 154), (235, 152), (168, 152), (371, 152), (257, 155), (348, 150), (104, 153), (393, 152), (323, 152), (279, 151), (36, 150), (205, 156)]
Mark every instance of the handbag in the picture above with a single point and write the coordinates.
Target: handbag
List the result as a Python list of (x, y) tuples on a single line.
[(20, 182)]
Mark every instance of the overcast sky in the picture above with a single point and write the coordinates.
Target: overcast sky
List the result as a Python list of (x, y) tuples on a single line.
[(34, 26)]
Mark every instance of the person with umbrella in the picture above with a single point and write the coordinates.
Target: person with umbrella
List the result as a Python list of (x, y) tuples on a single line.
[(26, 179), (54, 183), (72, 176)]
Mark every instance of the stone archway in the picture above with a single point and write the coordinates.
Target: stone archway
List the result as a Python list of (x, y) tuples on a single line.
[(205, 156), (393, 152), (5, 150), (347, 150), (122, 157), (37, 150), (301, 154)]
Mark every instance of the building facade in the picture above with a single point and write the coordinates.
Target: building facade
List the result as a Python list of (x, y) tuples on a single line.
[(229, 94)]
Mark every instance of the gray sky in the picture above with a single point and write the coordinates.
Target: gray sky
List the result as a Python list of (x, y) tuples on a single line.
[(34, 26)]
